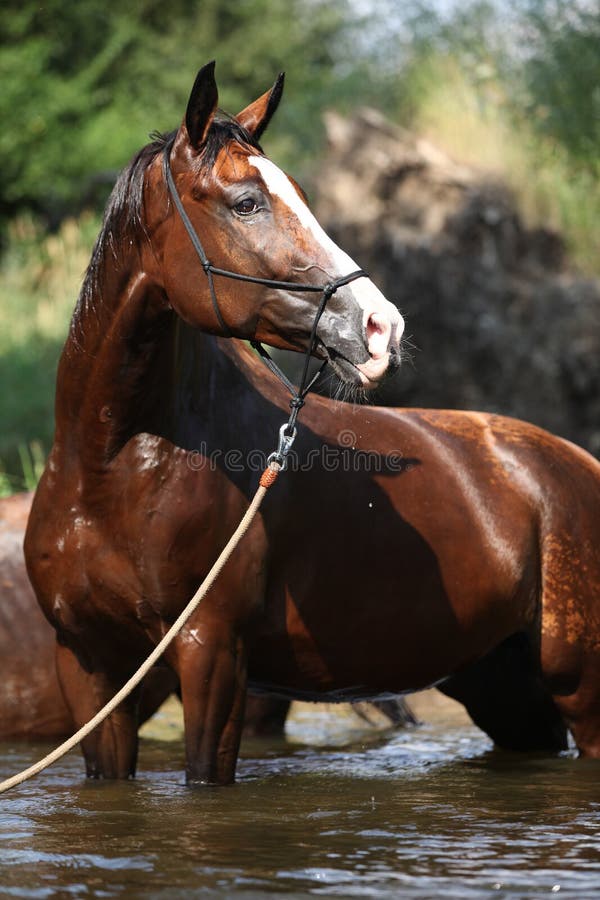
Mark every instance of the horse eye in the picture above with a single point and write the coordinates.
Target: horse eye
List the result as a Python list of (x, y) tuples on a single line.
[(246, 207)]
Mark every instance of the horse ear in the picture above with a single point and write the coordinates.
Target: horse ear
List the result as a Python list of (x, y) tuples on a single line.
[(257, 116), (202, 105)]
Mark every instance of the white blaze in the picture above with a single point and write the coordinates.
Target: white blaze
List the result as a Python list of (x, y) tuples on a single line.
[(368, 297)]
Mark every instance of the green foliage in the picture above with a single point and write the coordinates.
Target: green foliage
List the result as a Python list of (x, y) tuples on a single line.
[(39, 280), (83, 83), (33, 459), (562, 76)]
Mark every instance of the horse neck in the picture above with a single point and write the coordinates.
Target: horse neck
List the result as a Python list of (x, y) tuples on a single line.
[(131, 366), (114, 333), (215, 395)]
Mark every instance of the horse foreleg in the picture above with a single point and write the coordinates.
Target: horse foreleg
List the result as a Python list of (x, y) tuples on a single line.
[(212, 671), (110, 751)]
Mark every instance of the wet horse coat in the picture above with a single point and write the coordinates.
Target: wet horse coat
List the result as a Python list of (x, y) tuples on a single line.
[(410, 548), (31, 701)]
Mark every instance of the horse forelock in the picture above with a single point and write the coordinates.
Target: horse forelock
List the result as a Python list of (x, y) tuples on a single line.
[(225, 130)]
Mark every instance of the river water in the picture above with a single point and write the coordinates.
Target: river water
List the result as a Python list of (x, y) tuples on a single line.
[(426, 812)]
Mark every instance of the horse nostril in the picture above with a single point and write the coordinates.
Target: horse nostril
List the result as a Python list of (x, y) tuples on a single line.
[(379, 331)]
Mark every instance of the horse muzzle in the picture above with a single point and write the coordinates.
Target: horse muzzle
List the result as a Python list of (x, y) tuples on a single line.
[(363, 339), (383, 331)]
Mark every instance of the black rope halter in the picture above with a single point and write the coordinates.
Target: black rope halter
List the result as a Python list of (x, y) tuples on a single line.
[(287, 432)]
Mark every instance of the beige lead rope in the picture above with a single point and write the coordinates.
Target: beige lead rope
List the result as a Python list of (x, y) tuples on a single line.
[(267, 479)]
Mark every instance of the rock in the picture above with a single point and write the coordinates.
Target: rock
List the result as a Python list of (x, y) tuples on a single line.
[(498, 320)]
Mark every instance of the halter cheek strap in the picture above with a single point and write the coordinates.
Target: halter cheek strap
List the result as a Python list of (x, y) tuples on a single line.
[(287, 432)]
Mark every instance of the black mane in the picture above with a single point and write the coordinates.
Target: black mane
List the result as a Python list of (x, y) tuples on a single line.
[(123, 215)]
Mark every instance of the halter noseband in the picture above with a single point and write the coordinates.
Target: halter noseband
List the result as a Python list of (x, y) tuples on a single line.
[(287, 432)]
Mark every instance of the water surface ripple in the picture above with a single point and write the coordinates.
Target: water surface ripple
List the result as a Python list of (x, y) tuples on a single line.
[(433, 812)]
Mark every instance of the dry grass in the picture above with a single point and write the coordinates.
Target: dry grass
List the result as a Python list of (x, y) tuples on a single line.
[(470, 119)]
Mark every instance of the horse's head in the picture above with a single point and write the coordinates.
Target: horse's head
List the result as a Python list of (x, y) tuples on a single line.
[(253, 219)]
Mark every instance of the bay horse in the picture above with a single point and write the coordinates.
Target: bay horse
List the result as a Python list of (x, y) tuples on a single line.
[(32, 707), (401, 548)]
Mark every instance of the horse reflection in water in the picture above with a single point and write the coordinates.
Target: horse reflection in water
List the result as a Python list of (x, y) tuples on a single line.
[(473, 564)]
